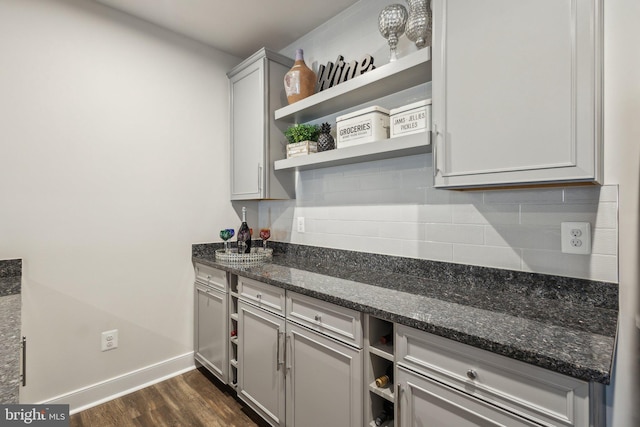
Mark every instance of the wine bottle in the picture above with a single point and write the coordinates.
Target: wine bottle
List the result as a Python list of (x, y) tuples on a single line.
[(244, 234), (386, 414), (386, 339), (385, 379)]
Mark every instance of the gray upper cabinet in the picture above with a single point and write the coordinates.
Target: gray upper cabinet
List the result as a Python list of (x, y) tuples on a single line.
[(257, 90), (517, 92)]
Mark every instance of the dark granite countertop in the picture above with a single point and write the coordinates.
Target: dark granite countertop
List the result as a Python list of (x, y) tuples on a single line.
[(10, 306), (10, 276), (561, 324)]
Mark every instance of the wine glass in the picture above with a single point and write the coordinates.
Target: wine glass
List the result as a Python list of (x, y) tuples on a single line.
[(265, 233), (225, 235), (391, 23)]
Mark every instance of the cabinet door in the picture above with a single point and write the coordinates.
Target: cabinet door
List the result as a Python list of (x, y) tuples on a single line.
[(211, 331), (424, 402), (516, 91), (324, 380), (260, 362), (248, 132)]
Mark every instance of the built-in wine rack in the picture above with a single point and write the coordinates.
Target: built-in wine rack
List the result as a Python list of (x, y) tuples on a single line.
[(233, 330), (379, 361)]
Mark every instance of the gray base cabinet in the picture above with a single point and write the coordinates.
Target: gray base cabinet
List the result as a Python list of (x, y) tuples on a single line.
[(448, 383), (302, 362), (522, 103), (210, 326), (423, 401), (324, 380), (294, 373), (261, 380)]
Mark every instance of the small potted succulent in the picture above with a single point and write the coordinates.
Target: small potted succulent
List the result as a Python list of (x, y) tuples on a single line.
[(302, 139)]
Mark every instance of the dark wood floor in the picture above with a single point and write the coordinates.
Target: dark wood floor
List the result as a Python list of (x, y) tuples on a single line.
[(188, 400)]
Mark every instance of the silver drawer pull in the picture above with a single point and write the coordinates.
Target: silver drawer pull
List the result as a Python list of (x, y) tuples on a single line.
[(259, 295), (318, 318), (471, 374)]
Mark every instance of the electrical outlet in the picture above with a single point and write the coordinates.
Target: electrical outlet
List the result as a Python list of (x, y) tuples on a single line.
[(300, 224), (109, 340), (576, 237)]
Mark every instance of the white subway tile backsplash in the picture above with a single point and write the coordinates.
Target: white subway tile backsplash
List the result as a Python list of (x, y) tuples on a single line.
[(350, 228), (486, 214), (523, 237), (384, 246), (402, 230), (604, 241), (488, 256), (537, 196), (607, 215), (438, 196), (547, 215), (390, 207), (455, 233), (428, 250), (603, 215), (387, 180), (467, 197), (435, 213), (594, 267), (607, 193)]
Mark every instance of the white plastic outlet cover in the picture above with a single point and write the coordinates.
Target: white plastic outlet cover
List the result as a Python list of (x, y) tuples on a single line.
[(575, 237)]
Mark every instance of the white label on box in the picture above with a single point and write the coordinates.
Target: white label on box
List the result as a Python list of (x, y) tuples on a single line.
[(409, 122), (361, 129)]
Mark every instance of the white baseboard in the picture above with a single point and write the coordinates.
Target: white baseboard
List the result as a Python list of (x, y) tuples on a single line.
[(104, 391)]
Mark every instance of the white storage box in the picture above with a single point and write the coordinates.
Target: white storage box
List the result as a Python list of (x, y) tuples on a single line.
[(362, 126), (411, 118)]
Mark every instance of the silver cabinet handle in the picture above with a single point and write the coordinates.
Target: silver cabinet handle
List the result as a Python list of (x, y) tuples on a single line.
[(278, 362), (24, 361), (472, 375), (287, 356), (259, 177), (259, 295), (398, 409), (434, 149), (318, 318)]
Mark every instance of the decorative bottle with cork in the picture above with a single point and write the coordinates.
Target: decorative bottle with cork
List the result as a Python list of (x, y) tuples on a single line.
[(300, 80)]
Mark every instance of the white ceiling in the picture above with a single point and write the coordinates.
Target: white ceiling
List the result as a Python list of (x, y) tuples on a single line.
[(237, 27)]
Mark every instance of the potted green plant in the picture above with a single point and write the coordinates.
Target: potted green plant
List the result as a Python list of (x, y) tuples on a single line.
[(302, 139)]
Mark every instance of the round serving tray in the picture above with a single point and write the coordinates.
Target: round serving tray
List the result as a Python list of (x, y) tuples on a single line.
[(256, 256)]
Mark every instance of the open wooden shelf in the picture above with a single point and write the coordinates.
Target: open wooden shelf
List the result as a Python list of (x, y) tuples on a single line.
[(407, 145), (406, 72)]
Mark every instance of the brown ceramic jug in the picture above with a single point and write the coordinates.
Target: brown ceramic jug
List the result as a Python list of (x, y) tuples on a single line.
[(300, 80)]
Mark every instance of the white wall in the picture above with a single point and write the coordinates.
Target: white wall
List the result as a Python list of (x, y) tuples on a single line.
[(622, 161), (113, 161)]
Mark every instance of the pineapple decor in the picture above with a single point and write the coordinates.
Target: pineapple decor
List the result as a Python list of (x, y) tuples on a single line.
[(325, 140)]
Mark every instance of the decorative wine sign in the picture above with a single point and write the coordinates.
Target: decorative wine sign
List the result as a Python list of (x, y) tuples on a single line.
[(334, 74)]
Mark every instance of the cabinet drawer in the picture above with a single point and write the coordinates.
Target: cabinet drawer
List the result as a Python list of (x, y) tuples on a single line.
[(426, 402), (211, 276), (535, 393), (266, 296), (330, 319)]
